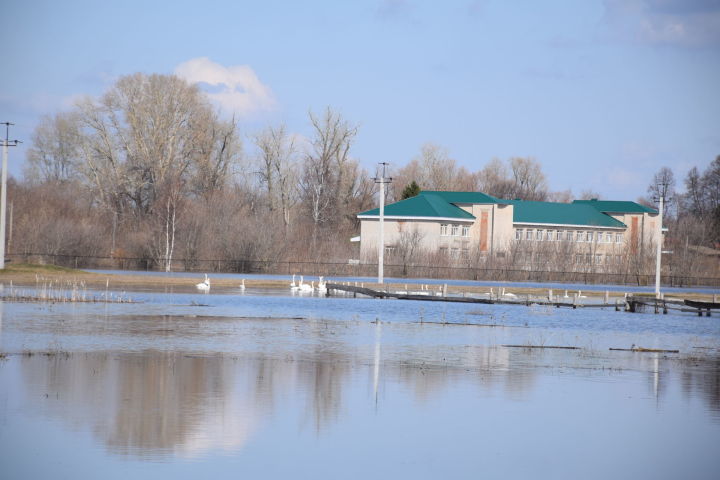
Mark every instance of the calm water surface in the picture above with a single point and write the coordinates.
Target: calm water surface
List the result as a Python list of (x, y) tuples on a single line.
[(266, 385)]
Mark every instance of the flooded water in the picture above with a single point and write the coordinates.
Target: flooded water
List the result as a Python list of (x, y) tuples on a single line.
[(267, 385)]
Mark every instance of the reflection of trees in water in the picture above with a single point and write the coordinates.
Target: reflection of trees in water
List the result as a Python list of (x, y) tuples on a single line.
[(153, 402), (158, 403)]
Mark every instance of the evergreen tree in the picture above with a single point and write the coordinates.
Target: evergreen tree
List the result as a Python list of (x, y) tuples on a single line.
[(412, 189)]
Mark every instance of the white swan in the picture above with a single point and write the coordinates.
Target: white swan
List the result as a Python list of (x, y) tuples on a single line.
[(292, 284), (322, 286), (204, 285), (566, 295), (304, 287), (508, 294), (242, 285), (580, 295)]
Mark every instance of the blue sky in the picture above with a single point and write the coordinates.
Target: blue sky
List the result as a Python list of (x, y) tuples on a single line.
[(601, 93)]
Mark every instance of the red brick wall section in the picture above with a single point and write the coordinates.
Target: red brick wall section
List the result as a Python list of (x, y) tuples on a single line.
[(484, 231)]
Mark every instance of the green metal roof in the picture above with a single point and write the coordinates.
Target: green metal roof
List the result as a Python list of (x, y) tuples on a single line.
[(439, 204), (553, 213), (615, 206), (421, 206), (463, 197)]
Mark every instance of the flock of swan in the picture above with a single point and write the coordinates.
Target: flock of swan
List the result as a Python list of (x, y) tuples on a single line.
[(321, 287), (302, 287), (204, 286)]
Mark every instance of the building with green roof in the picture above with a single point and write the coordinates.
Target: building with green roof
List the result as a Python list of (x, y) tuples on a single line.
[(458, 223)]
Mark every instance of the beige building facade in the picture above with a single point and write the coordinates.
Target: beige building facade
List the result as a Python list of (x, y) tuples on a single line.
[(462, 223)]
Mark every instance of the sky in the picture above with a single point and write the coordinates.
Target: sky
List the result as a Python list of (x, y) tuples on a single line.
[(603, 93)]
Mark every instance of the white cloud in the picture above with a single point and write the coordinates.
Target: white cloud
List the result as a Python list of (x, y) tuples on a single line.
[(683, 23), (237, 90)]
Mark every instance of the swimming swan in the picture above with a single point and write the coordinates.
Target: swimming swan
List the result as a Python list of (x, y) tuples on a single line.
[(204, 285)]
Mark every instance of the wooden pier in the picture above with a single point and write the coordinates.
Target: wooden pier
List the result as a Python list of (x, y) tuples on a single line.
[(629, 303), (442, 296)]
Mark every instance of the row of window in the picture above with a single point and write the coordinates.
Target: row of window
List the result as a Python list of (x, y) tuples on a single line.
[(540, 235), (579, 259), (454, 230)]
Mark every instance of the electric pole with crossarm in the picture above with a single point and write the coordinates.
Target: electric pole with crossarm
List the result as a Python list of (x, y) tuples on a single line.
[(3, 194)]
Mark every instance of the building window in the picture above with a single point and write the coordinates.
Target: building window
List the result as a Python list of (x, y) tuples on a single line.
[(465, 252), (518, 234), (598, 259), (454, 252), (618, 238), (618, 259), (580, 237), (443, 250), (550, 236), (601, 237), (466, 230), (569, 235), (455, 230), (578, 258), (608, 259), (539, 235), (528, 234), (443, 230), (389, 250), (588, 259), (558, 236), (590, 236)]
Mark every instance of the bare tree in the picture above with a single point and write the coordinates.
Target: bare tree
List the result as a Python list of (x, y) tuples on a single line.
[(327, 178), (528, 179), (663, 185), (277, 162), (146, 130), (55, 150)]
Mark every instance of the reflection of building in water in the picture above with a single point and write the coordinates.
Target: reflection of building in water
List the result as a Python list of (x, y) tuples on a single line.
[(705, 380), (488, 366)]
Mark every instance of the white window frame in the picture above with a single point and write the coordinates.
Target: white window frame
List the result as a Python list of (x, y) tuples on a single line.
[(529, 234), (539, 234), (519, 233), (454, 230), (580, 237), (466, 230), (618, 237)]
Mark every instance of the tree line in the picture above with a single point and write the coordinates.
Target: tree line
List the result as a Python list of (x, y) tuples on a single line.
[(150, 169)]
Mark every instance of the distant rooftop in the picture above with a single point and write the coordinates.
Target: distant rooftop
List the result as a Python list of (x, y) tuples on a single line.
[(430, 204), (553, 213), (423, 206), (616, 206)]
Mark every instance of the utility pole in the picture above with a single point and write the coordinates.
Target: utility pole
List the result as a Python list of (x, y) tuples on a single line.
[(382, 180), (3, 195), (659, 239)]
